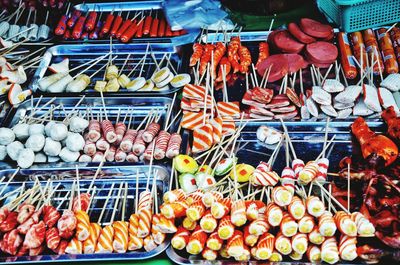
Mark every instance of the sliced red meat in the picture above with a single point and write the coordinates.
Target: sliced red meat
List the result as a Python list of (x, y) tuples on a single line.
[(317, 64), (315, 28), (286, 116), (330, 37), (295, 61), (258, 116), (262, 95), (299, 34), (278, 101), (279, 67), (321, 52), (260, 111), (286, 43), (286, 109)]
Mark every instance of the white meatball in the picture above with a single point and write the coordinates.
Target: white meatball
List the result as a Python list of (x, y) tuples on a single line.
[(64, 142), (85, 158), (7, 136), (53, 159), (51, 147), (68, 156), (58, 132), (75, 142), (21, 131), (78, 124), (36, 129), (35, 142), (26, 158), (40, 158), (47, 128), (3, 152), (13, 150)]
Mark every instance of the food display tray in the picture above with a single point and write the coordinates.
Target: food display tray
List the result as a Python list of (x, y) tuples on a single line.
[(140, 107), (79, 54), (108, 176), (308, 141), (237, 89), (133, 6)]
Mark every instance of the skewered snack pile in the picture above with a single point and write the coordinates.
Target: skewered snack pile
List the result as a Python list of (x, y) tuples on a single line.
[(93, 25)]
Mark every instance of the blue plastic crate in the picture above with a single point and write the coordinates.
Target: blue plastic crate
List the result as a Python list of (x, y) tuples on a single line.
[(355, 15)]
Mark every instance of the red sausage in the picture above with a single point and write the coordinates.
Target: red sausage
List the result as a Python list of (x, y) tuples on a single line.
[(395, 36), (147, 25), (127, 23), (154, 27), (168, 32), (61, 26), (117, 23), (107, 24), (78, 28), (161, 28), (139, 32), (346, 56), (67, 34), (91, 21), (130, 32), (74, 17)]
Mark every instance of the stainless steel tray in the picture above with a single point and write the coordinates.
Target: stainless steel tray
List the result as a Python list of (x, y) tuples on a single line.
[(79, 54), (108, 176), (124, 7), (139, 106)]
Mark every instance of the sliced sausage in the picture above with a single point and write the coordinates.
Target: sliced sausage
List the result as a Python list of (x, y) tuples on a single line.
[(321, 52), (315, 28), (296, 62), (286, 43), (280, 67), (299, 34)]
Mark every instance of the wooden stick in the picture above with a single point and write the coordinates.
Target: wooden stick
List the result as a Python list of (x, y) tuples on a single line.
[(105, 203), (348, 187), (78, 188), (97, 171), (326, 147), (116, 203), (9, 181), (290, 142), (124, 202), (326, 136), (332, 197), (72, 196)]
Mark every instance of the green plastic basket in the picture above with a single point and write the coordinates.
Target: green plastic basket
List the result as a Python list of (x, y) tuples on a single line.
[(355, 15)]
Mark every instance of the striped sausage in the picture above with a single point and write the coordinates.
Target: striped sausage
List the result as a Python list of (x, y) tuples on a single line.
[(174, 145), (108, 131), (161, 144), (150, 132), (127, 140)]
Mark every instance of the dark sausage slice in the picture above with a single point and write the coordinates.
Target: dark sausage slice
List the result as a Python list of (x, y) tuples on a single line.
[(315, 28), (321, 52), (317, 64), (286, 43), (296, 62), (280, 67), (300, 35)]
